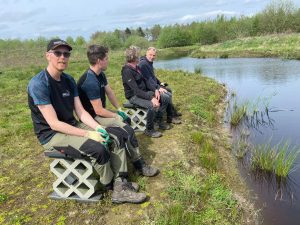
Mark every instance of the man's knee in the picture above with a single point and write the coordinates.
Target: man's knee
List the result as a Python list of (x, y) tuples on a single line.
[(95, 150), (131, 135)]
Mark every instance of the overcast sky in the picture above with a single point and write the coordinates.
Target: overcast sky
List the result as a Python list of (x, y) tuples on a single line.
[(26, 19)]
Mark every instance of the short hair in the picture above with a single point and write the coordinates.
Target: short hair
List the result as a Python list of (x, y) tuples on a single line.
[(132, 53), (151, 48), (96, 52)]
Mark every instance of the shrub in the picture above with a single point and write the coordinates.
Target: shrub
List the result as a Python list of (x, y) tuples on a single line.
[(173, 37), (137, 41)]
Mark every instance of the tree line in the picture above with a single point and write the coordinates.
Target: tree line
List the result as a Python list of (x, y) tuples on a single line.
[(279, 16)]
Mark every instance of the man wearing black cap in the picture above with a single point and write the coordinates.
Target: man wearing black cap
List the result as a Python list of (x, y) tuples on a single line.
[(52, 99)]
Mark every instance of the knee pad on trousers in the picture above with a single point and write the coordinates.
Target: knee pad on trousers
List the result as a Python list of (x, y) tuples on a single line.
[(132, 137), (95, 150), (119, 134)]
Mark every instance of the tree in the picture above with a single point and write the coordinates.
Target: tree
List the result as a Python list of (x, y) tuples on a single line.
[(127, 32), (155, 31), (80, 41), (140, 32), (173, 37)]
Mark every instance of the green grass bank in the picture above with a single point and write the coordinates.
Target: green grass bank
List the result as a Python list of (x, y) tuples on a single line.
[(198, 184)]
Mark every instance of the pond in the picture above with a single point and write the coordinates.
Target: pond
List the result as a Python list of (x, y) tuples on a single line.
[(258, 80)]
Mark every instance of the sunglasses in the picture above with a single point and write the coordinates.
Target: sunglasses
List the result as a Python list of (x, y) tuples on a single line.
[(59, 53)]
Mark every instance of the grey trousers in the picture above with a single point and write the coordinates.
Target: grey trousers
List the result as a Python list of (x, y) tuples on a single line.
[(107, 162)]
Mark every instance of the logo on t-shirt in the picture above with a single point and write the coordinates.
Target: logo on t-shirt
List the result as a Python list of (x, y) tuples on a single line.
[(66, 94)]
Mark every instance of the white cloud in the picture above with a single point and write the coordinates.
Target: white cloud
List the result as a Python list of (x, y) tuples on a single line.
[(207, 15)]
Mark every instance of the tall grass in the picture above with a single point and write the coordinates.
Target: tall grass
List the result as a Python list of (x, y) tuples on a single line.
[(239, 111), (278, 159)]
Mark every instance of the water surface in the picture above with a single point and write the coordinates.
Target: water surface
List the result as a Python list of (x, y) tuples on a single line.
[(276, 81)]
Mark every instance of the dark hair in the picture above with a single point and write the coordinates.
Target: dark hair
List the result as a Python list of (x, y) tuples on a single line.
[(95, 52)]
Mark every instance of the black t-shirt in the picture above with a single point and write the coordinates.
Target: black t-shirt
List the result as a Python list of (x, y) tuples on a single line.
[(90, 87), (43, 90)]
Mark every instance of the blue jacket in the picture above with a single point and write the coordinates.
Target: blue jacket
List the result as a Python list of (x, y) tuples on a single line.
[(147, 70)]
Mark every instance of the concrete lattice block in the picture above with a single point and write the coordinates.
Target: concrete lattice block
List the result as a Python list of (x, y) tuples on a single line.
[(74, 178), (138, 118)]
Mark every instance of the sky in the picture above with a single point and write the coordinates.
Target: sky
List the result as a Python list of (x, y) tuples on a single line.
[(30, 19)]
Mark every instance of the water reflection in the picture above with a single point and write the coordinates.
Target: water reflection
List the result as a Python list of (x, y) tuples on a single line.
[(251, 79)]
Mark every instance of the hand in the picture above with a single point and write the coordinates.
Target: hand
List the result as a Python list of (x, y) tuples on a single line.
[(102, 131), (120, 118), (94, 135), (157, 95), (155, 102), (162, 90), (122, 114)]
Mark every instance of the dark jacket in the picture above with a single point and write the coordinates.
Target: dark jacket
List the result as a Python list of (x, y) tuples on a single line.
[(147, 70), (135, 84)]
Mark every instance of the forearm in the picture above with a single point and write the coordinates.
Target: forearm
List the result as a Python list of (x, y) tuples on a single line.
[(105, 113), (65, 128), (86, 118), (113, 100)]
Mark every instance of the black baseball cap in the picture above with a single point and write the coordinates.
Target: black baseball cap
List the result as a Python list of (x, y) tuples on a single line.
[(54, 43)]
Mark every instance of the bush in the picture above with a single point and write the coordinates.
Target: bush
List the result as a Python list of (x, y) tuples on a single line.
[(137, 41), (174, 37)]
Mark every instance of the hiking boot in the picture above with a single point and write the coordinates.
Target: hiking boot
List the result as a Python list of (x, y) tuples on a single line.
[(149, 171), (123, 193), (133, 185), (152, 133), (164, 126), (176, 120), (144, 169), (176, 114)]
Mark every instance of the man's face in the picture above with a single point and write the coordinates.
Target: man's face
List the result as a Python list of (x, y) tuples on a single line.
[(150, 55), (104, 62), (58, 58)]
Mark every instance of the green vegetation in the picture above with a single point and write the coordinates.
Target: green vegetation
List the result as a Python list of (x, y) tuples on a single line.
[(238, 113), (198, 200), (279, 16), (282, 45), (278, 159), (199, 156)]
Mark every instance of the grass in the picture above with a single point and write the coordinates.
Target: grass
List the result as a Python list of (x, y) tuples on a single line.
[(278, 159), (25, 179), (283, 45), (238, 113), (190, 194)]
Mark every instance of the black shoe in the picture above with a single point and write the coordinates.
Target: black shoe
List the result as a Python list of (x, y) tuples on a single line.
[(164, 126), (152, 133)]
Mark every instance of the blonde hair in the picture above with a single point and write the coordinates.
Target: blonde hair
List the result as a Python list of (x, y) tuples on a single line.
[(151, 48), (132, 53)]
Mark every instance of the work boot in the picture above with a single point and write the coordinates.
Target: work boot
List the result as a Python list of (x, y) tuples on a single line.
[(123, 193), (152, 133), (134, 185), (144, 169), (176, 113), (164, 126), (176, 120)]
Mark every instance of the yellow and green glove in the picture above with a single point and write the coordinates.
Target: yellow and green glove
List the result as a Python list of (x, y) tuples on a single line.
[(122, 114)]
